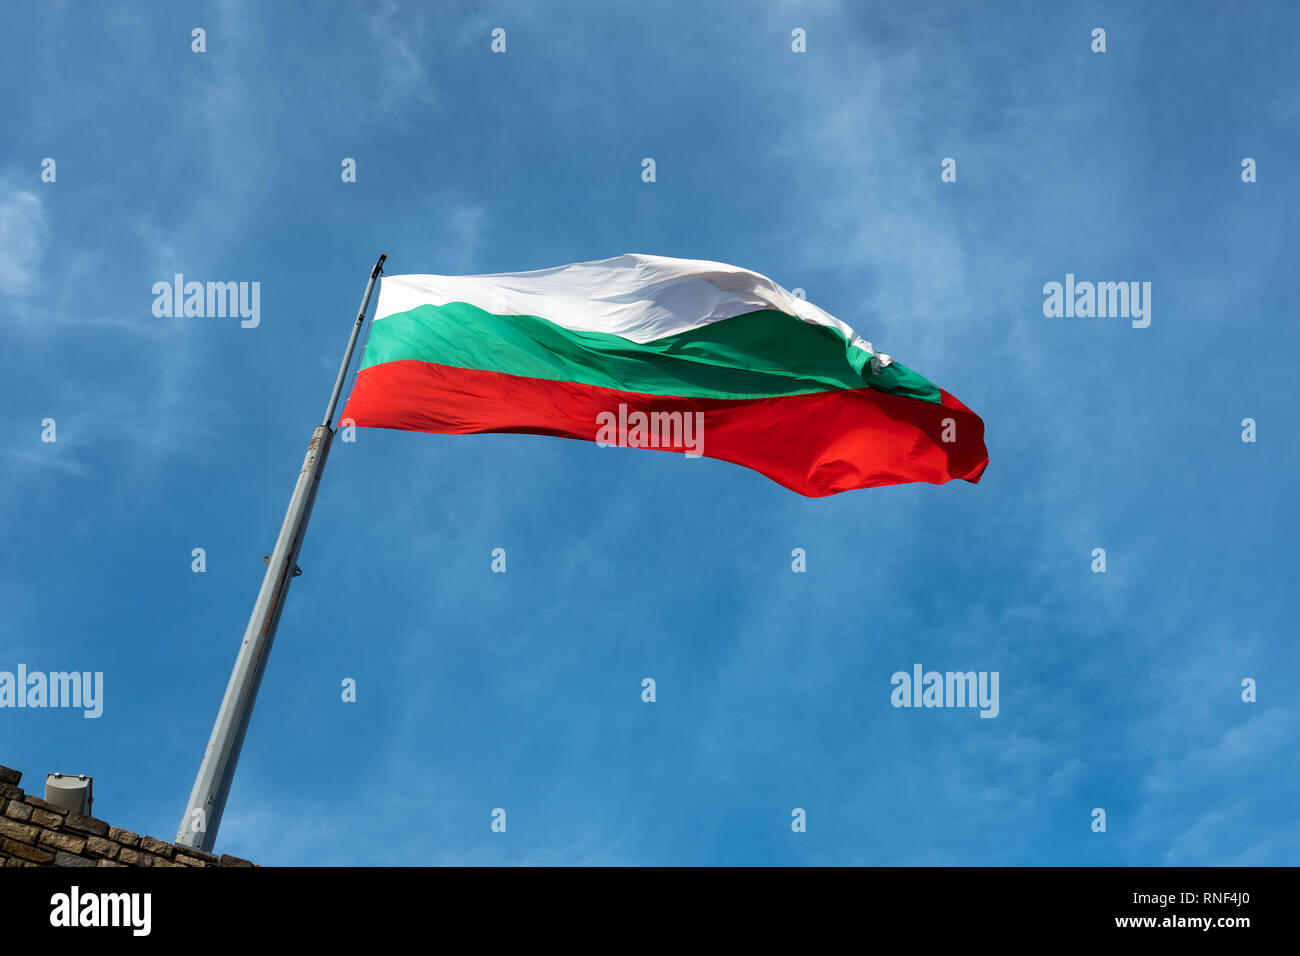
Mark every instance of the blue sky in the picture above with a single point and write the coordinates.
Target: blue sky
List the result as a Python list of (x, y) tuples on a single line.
[(522, 690)]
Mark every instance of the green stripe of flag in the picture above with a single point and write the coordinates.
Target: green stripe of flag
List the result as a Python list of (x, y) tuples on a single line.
[(757, 355)]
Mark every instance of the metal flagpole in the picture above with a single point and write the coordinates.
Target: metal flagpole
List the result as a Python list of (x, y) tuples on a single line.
[(211, 787)]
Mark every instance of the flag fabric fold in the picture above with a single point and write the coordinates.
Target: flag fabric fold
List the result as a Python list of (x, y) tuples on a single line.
[(682, 355)]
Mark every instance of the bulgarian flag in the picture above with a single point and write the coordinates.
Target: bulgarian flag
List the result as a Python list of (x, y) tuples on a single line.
[(682, 355)]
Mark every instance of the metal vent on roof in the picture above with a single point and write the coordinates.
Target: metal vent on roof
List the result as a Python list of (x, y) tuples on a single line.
[(70, 790)]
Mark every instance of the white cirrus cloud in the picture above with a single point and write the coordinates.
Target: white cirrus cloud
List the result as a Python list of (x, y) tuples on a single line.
[(24, 231)]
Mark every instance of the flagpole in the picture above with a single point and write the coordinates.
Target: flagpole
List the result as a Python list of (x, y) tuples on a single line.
[(202, 817)]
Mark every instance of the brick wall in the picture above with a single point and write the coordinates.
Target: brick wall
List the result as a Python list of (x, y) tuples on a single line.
[(36, 833)]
